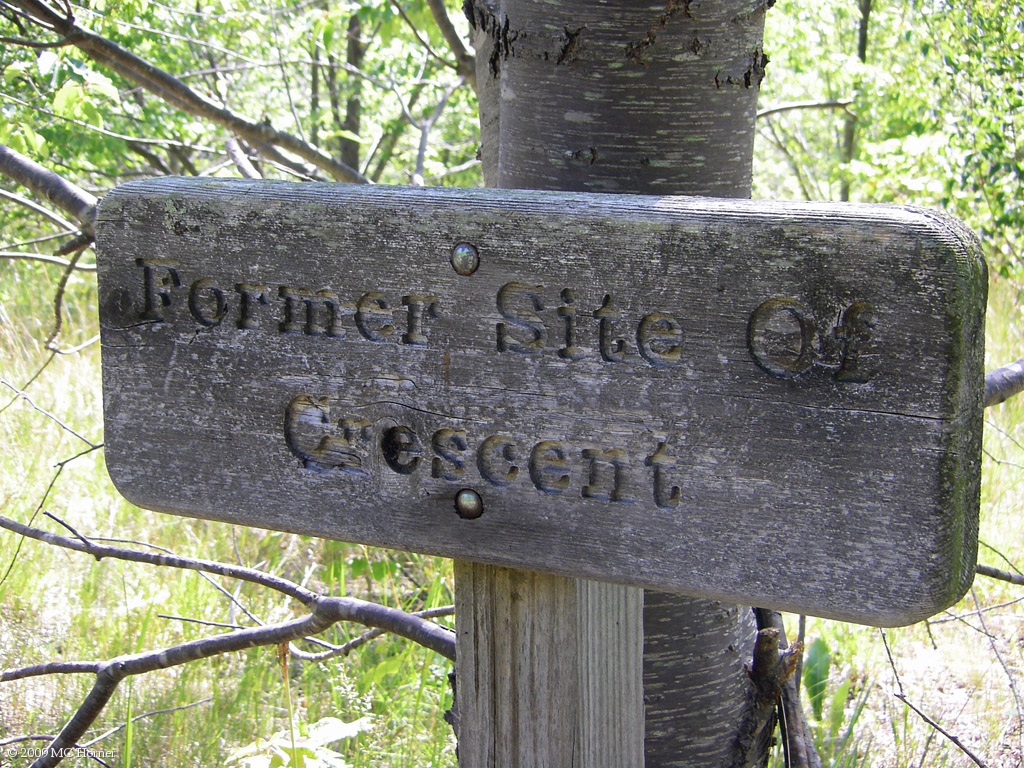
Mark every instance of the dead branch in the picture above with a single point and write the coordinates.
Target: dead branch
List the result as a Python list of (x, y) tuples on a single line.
[(241, 160), (43, 182), (465, 61), (161, 83), (776, 672), (902, 697), (324, 611), (427, 125), (1003, 383), (841, 104), (995, 573), (66, 427)]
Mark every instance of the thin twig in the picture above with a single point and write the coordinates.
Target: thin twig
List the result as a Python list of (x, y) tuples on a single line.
[(843, 104), (27, 384), (356, 642), (324, 612), (144, 716), (99, 551), (1006, 671), (24, 396), (425, 44), (995, 573), (427, 125), (902, 697), (13, 256), (177, 94), (58, 303)]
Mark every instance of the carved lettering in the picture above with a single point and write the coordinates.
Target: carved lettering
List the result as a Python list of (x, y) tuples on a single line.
[(419, 307), (607, 474), (782, 336), (401, 449), (855, 332), (496, 460), (612, 349), (568, 314), (549, 467), (308, 434), (207, 302), (659, 338), (307, 320), (511, 296), (449, 445), (252, 295), (666, 495), (158, 277), (374, 317)]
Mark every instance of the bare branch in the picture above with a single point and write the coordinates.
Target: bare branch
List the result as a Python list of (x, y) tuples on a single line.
[(334, 651), (425, 128), (342, 608), (24, 396), (14, 256), (241, 160), (1003, 383), (99, 551), (76, 246), (324, 611), (48, 185), (175, 92), (60, 221), (425, 44), (843, 104), (995, 573), (465, 61), (144, 716), (103, 131), (902, 697)]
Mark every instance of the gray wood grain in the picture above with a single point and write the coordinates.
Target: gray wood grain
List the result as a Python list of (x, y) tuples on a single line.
[(777, 404)]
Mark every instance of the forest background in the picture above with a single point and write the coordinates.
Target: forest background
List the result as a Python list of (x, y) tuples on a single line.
[(916, 102)]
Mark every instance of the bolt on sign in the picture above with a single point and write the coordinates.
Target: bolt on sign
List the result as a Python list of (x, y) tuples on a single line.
[(777, 404)]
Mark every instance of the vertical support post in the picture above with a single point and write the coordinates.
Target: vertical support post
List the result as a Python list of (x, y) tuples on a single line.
[(654, 97)]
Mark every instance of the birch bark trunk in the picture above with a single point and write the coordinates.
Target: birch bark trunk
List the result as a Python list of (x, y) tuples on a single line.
[(639, 97)]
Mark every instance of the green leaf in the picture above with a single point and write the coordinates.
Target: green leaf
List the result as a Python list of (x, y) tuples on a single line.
[(330, 729), (46, 62), (816, 668), (341, 133), (16, 70), (91, 114), (67, 99), (837, 707), (99, 84)]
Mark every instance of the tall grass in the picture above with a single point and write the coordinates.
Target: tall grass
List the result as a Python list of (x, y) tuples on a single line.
[(963, 668), (58, 605)]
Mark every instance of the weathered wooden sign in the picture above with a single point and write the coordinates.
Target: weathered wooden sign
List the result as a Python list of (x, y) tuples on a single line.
[(773, 404)]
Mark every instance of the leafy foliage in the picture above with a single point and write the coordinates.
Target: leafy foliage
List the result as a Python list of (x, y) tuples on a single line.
[(937, 108)]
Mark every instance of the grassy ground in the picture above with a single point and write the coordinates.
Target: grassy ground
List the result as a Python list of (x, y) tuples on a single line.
[(58, 605), (962, 669)]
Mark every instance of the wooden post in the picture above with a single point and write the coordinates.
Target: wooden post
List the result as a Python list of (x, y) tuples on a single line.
[(654, 97)]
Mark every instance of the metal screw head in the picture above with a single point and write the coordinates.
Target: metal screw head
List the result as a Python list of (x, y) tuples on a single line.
[(468, 504), (465, 258)]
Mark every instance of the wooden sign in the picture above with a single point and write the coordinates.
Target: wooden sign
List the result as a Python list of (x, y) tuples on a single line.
[(774, 404)]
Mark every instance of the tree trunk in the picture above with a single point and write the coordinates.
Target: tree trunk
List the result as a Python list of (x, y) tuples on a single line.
[(355, 53), (849, 147), (652, 98)]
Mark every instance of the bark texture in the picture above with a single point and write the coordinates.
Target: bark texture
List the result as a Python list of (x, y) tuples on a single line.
[(653, 98)]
